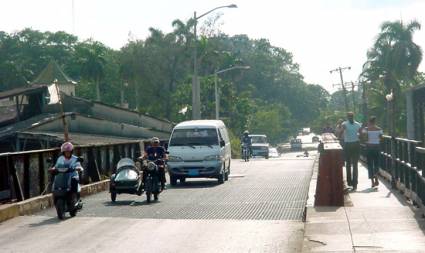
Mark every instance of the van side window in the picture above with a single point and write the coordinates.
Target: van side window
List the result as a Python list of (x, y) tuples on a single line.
[(220, 135), (226, 134), (223, 134)]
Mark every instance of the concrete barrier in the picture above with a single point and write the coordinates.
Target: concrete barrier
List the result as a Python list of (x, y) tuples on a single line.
[(33, 205), (8, 211)]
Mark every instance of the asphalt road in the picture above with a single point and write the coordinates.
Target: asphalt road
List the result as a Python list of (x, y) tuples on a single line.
[(259, 209)]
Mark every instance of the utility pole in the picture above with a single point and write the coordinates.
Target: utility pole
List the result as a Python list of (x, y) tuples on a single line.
[(353, 95), (344, 90)]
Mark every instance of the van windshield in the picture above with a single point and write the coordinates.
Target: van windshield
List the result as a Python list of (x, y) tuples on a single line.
[(192, 137), (259, 139)]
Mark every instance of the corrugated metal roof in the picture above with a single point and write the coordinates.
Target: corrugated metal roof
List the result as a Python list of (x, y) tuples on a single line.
[(21, 91), (79, 138)]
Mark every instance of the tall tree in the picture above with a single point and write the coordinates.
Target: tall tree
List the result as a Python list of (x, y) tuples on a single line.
[(92, 59), (393, 62)]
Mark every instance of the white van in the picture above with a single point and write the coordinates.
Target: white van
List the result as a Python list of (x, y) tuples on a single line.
[(199, 148)]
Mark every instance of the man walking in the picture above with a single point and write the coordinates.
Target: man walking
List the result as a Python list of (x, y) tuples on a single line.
[(351, 131)]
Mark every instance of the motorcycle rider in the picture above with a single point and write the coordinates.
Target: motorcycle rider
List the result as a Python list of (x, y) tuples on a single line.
[(246, 140), (154, 152), (68, 160)]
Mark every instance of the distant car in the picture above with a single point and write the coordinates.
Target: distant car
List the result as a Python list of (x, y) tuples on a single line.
[(273, 153), (260, 145), (296, 144)]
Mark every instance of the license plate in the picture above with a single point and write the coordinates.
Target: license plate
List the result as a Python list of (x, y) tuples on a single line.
[(193, 172)]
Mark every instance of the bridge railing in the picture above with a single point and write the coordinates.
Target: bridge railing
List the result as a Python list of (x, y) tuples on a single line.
[(404, 160), (25, 174)]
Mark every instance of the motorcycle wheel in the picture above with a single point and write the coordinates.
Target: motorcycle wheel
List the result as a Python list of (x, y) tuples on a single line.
[(148, 196), (72, 206), (60, 208), (113, 196)]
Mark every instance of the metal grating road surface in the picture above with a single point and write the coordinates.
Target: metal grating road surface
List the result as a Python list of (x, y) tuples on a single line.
[(257, 190)]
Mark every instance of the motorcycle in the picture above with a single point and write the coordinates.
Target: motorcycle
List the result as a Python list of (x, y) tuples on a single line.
[(126, 179), (152, 185), (245, 152), (64, 199)]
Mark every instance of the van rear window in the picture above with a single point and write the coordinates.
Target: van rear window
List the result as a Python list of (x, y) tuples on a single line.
[(194, 137)]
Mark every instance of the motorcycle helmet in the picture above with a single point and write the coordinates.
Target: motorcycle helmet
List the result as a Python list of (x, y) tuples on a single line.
[(67, 147), (246, 132)]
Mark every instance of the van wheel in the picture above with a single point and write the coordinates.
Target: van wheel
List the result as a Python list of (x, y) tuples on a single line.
[(221, 177), (173, 180), (226, 173)]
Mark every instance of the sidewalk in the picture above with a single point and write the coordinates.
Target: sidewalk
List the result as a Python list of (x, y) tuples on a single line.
[(371, 221)]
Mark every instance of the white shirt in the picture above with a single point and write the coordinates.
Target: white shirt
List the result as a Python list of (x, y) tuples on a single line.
[(374, 136)]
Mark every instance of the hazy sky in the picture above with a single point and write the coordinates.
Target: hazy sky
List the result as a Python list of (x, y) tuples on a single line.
[(321, 34)]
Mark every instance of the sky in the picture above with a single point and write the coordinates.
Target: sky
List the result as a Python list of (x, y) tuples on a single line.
[(321, 34)]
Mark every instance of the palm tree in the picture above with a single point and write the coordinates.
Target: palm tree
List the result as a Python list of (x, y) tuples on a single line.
[(93, 63), (393, 61)]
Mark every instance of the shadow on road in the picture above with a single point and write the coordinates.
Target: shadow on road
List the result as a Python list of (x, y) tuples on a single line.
[(139, 202), (50, 221), (195, 184), (118, 203)]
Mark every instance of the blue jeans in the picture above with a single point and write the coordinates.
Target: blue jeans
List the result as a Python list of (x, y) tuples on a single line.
[(372, 161)]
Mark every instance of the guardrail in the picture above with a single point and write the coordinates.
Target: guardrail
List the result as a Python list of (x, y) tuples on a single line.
[(24, 174), (404, 161)]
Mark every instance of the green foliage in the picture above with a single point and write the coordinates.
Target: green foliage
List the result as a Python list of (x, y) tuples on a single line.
[(270, 120), (235, 143), (392, 67), (155, 75)]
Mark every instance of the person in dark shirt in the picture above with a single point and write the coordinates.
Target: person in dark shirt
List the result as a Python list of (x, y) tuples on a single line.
[(153, 153), (247, 141), (328, 129)]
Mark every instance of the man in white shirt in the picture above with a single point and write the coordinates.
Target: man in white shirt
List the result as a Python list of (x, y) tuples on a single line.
[(351, 132)]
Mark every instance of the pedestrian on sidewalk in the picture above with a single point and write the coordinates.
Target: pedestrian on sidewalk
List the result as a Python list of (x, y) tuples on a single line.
[(373, 135), (351, 132), (339, 132), (328, 129)]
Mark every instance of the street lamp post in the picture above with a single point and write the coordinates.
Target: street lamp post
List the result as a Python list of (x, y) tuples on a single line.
[(196, 89), (217, 94)]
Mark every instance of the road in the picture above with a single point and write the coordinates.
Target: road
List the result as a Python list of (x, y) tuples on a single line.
[(259, 209)]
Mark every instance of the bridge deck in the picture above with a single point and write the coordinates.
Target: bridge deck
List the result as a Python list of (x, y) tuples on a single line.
[(259, 210)]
